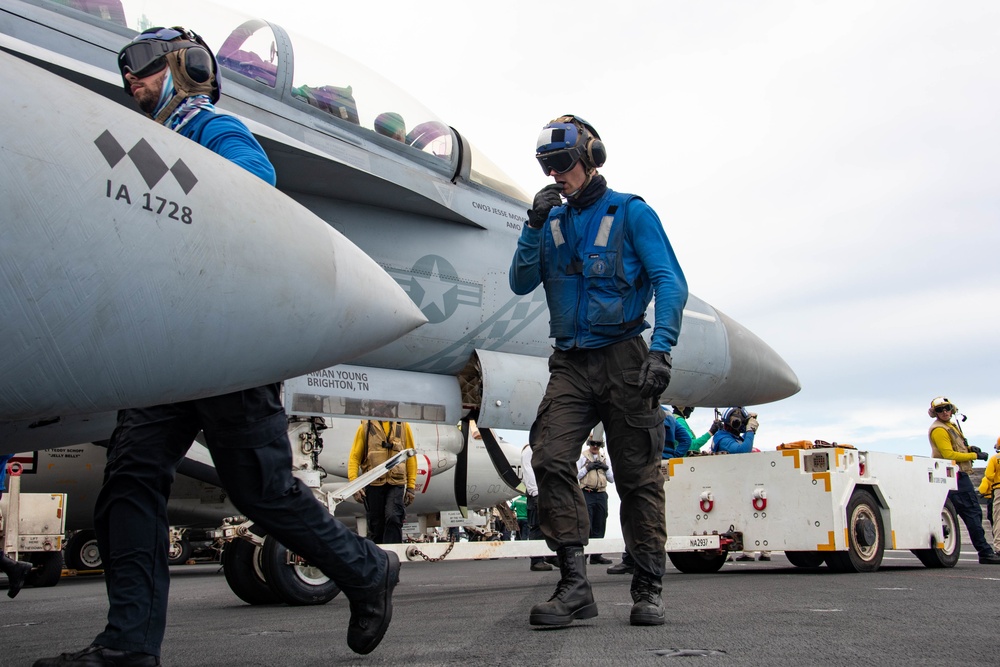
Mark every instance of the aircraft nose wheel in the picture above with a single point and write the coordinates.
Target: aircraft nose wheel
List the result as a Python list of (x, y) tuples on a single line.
[(244, 570), (82, 552), (293, 580)]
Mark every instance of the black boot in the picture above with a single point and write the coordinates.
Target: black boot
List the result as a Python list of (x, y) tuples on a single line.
[(573, 598), (647, 608), (370, 615), (16, 571), (621, 568), (98, 656), (540, 565)]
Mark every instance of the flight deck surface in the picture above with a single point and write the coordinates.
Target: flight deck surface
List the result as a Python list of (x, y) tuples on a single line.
[(476, 613)]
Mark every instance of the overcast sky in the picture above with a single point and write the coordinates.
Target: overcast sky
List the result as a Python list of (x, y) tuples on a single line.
[(826, 171)]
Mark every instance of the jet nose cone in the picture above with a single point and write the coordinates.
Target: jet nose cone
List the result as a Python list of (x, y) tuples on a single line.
[(366, 308), (108, 300), (719, 362), (756, 373)]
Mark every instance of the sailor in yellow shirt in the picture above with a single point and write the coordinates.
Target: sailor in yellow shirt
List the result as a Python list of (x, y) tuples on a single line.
[(384, 499), (990, 488), (948, 442)]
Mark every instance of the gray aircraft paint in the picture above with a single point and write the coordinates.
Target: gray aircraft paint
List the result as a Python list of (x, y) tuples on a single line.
[(442, 235)]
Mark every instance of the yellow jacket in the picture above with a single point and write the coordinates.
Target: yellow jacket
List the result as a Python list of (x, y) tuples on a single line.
[(359, 453), (947, 442), (991, 479)]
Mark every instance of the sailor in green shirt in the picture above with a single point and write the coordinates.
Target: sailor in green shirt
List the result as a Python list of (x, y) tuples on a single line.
[(520, 505), (681, 414)]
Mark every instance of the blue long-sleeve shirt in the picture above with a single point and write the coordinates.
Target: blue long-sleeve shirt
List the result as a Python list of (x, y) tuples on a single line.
[(724, 441), (3, 476), (230, 138), (676, 439), (645, 246)]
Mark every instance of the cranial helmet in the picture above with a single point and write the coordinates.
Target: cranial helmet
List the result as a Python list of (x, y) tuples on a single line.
[(683, 411), (996, 447), (735, 420), (192, 64), (940, 402), (565, 141)]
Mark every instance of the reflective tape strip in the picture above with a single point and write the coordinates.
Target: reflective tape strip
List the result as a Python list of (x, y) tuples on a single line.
[(794, 453), (831, 544), (557, 232), (604, 231), (825, 476)]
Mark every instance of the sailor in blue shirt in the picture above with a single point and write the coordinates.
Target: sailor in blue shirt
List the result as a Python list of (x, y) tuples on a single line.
[(174, 78), (676, 438), (737, 433), (600, 257)]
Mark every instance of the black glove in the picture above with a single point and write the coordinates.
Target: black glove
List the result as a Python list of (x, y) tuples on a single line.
[(604, 467), (973, 448), (716, 425), (593, 465), (982, 456), (545, 200), (654, 376)]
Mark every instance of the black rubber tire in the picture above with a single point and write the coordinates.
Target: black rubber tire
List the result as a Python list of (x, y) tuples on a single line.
[(952, 538), (697, 562), (178, 553), (807, 559), (865, 536), (48, 569), (241, 563), (82, 552), (296, 585)]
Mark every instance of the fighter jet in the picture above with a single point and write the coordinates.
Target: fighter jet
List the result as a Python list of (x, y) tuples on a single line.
[(376, 166)]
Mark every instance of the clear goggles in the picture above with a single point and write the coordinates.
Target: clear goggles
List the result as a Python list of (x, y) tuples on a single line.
[(146, 55)]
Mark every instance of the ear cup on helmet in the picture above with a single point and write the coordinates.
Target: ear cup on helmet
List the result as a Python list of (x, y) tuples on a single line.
[(735, 420), (596, 153), (197, 63)]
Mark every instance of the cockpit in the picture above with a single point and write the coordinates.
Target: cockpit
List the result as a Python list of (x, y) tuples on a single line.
[(316, 80)]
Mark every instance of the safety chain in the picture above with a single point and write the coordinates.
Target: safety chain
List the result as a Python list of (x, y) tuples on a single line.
[(415, 551)]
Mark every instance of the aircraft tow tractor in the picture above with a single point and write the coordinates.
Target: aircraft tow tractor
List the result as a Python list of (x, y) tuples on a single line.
[(825, 504), (32, 526)]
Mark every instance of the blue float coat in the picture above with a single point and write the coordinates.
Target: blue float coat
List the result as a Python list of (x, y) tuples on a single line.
[(646, 253)]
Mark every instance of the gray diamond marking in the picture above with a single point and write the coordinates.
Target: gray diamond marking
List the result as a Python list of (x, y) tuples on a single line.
[(184, 176), (149, 164), (110, 148)]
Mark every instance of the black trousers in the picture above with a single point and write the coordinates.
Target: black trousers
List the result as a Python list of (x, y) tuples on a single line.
[(597, 510), (534, 530), (385, 512), (586, 387), (246, 434), (966, 502)]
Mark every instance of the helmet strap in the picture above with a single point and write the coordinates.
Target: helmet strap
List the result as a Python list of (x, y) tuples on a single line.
[(591, 172), (184, 87)]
